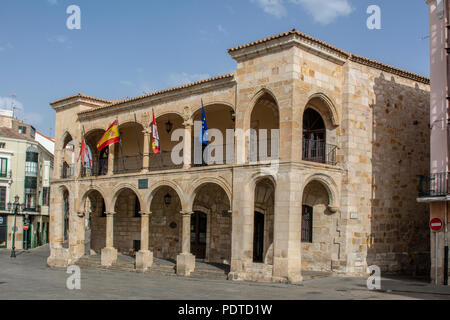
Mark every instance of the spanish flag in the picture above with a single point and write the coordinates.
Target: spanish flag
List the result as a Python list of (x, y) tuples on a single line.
[(110, 137)]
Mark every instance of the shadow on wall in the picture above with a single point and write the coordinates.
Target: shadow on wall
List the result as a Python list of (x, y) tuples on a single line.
[(400, 238)]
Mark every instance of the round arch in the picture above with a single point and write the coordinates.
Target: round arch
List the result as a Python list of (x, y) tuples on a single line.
[(328, 109), (64, 140), (199, 183), (156, 187), (195, 110), (329, 185), (92, 189), (122, 187), (256, 97)]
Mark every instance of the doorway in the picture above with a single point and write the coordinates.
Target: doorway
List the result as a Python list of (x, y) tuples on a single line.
[(3, 231), (198, 235), (258, 238)]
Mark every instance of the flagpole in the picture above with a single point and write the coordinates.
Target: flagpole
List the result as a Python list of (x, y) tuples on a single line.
[(120, 144)]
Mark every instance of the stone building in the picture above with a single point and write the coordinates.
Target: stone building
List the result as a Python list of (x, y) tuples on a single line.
[(338, 194)]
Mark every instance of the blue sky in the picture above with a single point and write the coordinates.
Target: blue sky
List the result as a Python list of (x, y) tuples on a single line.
[(126, 48)]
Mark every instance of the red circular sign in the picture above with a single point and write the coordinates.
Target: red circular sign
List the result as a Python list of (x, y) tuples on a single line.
[(25, 227), (436, 224)]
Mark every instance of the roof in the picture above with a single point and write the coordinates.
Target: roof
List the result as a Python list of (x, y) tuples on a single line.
[(350, 56), (184, 86), (48, 138), (80, 95), (13, 134), (308, 38)]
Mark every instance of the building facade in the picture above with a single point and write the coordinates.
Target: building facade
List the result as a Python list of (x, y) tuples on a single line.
[(25, 170), (322, 171), (434, 186)]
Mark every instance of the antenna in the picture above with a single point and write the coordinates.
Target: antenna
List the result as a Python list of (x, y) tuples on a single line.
[(13, 107)]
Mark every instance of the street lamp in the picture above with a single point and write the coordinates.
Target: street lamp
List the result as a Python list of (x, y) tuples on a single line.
[(15, 208)]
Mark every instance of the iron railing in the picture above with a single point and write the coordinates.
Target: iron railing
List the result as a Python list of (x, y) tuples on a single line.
[(221, 160), (319, 151), (434, 185), (128, 164), (67, 171), (162, 161), (98, 168)]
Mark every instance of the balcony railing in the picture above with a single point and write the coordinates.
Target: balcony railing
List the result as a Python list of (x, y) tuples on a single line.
[(128, 164), (434, 185), (7, 174), (99, 168), (319, 151), (67, 171), (162, 161)]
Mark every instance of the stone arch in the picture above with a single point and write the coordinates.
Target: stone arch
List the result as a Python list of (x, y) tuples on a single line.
[(330, 186), (118, 189), (197, 184), (258, 95), (63, 142), (154, 188), (327, 108), (211, 210), (209, 104), (90, 189)]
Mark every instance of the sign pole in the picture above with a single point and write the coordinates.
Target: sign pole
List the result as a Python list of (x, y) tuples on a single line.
[(436, 254)]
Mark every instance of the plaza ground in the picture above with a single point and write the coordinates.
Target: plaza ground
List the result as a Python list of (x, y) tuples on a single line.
[(28, 277)]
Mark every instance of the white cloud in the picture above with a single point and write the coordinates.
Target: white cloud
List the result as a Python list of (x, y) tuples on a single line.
[(273, 7), (52, 2), (325, 11), (176, 79), (6, 103), (222, 29), (322, 11), (58, 39)]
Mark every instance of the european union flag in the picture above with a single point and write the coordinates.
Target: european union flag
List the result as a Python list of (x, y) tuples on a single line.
[(204, 130)]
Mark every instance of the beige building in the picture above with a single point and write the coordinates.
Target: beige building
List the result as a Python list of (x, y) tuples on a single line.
[(337, 195), (25, 171)]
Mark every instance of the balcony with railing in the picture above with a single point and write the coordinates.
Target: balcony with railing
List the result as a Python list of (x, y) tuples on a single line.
[(128, 164), (67, 171), (319, 151), (434, 185), (98, 168)]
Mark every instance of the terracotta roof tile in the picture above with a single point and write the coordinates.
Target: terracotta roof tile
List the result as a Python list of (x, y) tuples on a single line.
[(80, 95), (13, 134)]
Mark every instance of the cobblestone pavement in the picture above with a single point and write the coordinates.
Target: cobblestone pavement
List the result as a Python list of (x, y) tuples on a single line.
[(28, 277)]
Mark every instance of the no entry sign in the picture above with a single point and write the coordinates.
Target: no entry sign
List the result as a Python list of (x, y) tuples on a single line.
[(436, 224), (26, 227)]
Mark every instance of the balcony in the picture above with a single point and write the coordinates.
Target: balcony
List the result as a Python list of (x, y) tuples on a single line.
[(99, 168), (162, 161), (67, 171), (128, 164), (319, 151), (6, 175), (434, 185)]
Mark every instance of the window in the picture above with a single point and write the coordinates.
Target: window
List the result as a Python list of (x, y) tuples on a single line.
[(32, 156), (31, 169), (3, 198), (30, 200), (31, 183), (22, 130), (3, 167), (2, 145), (45, 196), (307, 223)]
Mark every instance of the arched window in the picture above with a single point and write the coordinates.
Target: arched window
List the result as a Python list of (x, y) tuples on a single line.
[(314, 137)]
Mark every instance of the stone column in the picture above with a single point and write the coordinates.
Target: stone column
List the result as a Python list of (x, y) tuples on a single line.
[(144, 258), (186, 260), (109, 254), (287, 260), (111, 160), (59, 256), (146, 160), (187, 154), (242, 226)]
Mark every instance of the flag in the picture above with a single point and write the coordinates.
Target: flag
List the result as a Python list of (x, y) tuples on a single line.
[(155, 140), (204, 130), (83, 150), (110, 137)]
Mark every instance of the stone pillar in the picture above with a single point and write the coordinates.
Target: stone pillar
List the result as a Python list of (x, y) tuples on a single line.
[(186, 260), (187, 154), (109, 254), (59, 256), (76, 236), (146, 160), (111, 160), (242, 226), (287, 260), (144, 258)]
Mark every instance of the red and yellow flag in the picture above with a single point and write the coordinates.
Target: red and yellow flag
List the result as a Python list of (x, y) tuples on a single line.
[(110, 137), (155, 140)]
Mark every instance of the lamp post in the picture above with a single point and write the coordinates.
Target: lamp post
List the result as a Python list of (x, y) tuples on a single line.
[(15, 207)]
